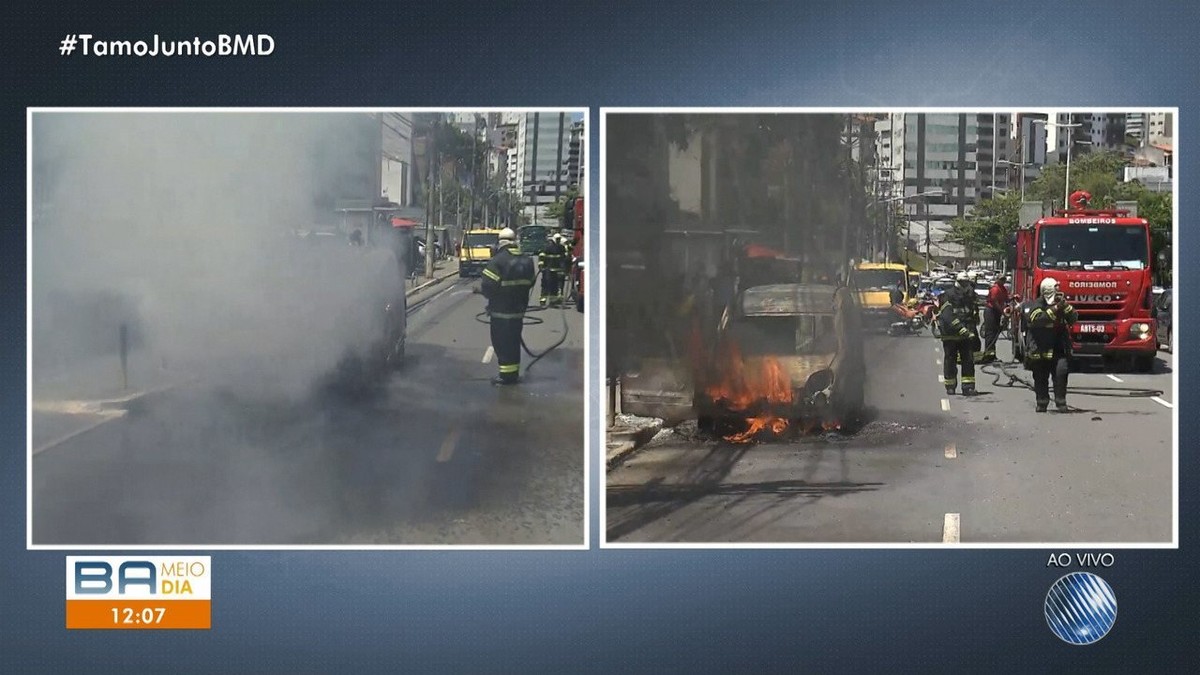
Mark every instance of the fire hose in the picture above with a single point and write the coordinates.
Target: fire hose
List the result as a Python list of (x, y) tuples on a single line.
[(485, 317), (1002, 369)]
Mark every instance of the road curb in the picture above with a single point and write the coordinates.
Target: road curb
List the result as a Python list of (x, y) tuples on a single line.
[(436, 280), (624, 441), (106, 409)]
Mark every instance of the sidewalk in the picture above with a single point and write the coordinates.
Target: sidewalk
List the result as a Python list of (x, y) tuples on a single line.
[(100, 379), (72, 400)]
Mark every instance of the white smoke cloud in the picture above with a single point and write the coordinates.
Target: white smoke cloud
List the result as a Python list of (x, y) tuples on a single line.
[(186, 220)]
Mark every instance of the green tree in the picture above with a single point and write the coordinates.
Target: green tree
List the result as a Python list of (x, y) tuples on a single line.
[(987, 228), (555, 210), (1096, 172)]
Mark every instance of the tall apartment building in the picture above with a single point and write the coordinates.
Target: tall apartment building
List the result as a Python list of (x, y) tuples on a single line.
[(1029, 148), (469, 123), (1135, 125), (1160, 126), (1096, 132), (397, 174), (951, 159), (575, 156), (543, 147)]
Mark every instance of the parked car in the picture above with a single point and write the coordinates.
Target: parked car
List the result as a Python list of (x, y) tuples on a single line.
[(1162, 312)]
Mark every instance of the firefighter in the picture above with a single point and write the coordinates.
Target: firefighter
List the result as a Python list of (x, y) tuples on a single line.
[(897, 293), (551, 259), (1045, 323), (993, 313), (507, 283), (957, 319)]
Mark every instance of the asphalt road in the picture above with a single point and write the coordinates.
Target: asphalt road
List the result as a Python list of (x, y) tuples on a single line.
[(925, 468), (439, 456)]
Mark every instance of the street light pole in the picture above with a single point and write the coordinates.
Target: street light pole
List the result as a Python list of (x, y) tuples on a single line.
[(995, 149), (1070, 142), (1022, 166), (925, 204), (908, 222)]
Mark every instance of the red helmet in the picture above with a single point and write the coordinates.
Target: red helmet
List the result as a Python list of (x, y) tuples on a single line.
[(1080, 199)]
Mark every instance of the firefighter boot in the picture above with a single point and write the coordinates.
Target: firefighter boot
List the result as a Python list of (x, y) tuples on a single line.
[(950, 390), (968, 389), (1061, 405), (501, 382), (1042, 405)]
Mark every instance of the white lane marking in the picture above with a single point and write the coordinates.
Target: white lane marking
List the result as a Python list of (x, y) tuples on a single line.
[(945, 404), (487, 356), (951, 451), (950, 532), (1159, 400), (103, 418), (447, 449), (938, 361), (940, 380), (1114, 378)]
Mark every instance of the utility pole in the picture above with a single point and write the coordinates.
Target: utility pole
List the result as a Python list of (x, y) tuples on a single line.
[(429, 219), (474, 186), (925, 204)]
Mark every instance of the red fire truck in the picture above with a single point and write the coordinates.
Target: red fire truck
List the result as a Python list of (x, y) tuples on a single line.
[(1101, 260), (576, 211)]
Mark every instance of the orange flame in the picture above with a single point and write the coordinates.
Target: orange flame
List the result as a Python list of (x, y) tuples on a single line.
[(742, 383)]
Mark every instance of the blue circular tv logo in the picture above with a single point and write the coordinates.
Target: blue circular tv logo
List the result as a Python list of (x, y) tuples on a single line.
[(1081, 608)]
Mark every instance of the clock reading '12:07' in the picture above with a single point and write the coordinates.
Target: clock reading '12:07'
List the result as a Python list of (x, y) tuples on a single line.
[(151, 592)]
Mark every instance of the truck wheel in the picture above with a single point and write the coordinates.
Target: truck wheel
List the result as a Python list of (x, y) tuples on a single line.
[(578, 302), (1144, 364)]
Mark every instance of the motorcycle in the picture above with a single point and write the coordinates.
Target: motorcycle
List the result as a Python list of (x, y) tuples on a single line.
[(914, 319)]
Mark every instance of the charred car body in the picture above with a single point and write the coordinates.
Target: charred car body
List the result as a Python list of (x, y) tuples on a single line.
[(370, 321), (791, 358)]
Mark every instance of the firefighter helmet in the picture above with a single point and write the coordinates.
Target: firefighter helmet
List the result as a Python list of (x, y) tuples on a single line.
[(507, 236), (1049, 285)]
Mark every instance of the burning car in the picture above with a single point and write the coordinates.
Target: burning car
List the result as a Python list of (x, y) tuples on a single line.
[(790, 361)]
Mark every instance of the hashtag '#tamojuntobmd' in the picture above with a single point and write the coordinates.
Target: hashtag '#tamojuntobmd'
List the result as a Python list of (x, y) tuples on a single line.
[(67, 45)]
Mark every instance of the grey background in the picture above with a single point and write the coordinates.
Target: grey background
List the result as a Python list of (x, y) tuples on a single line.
[(609, 610)]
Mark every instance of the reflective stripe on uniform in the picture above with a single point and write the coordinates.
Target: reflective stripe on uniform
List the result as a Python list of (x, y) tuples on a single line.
[(968, 380), (516, 282), (510, 368), (508, 315), (949, 381), (491, 275)]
